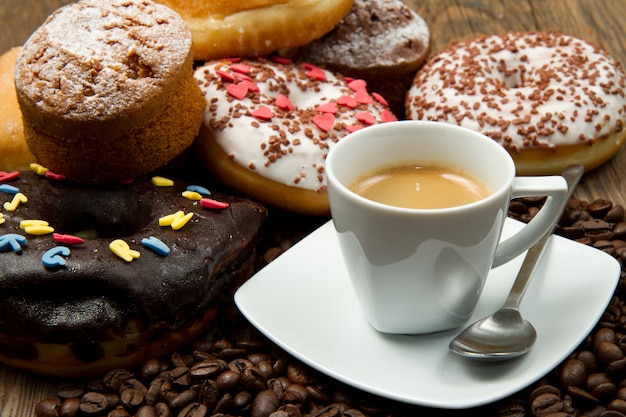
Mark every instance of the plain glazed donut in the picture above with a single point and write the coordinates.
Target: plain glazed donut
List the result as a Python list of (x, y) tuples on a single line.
[(100, 278), (550, 99), (268, 126), (230, 28), (14, 153)]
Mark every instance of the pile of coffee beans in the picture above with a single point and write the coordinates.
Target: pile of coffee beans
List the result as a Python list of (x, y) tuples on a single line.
[(235, 371)]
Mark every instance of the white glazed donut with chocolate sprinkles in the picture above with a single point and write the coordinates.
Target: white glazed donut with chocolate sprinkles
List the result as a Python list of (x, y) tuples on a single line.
[(550, 99), (269, 125)]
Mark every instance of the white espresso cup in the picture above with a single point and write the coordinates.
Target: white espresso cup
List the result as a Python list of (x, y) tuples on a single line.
[(418, 271)]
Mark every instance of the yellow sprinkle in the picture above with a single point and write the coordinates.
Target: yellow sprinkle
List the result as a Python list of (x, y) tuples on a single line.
[(36, 227), (121, 249), (38, 169), (179, 222), (192, 195), (169, 219), (162, 182), (2, 219), (13, 204)]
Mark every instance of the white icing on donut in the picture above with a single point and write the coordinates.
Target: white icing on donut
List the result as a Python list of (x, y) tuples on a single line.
[(524, 90), (279, 119)]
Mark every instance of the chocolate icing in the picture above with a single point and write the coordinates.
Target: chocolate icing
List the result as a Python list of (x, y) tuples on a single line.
[(97, 293)]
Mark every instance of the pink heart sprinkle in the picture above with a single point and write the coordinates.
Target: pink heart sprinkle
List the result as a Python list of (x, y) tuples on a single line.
[(388, 116), (358, 85), (324, 121), (240, 68), (380, 99), (315, 72), (281, 60), (283, 103), (363, 97), (329, 107), (238, 91), (347, 101), (250, 85), (354, 128), (366, 117), (263, 113), (226, 76)]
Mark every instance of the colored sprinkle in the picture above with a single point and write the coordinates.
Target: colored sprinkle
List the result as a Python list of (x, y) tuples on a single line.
[(238, 91), (156, 245), (15, 202), (121, 249), (176, 220), (9, 189), (250, 86), (380, 99), (12, 242), (67, 239), (226, 76), (325, 121), (241, 68), (192, 195), (281, 60), (2, 219), (55, 257), (38, 169), (348, 101), (354, 128), (363, 97), (330, 107), (263, 113), (283, 103), (315, 72), (199, 189), (357, 85), (213, 204), (366, 117), (8, 176), (36, 227), (162, 182), (54, 176)]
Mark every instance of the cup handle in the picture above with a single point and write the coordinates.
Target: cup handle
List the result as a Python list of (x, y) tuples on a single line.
[(555, 188)]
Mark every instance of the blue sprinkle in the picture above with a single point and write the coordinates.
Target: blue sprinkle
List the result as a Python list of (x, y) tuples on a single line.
[(55, 257), (12, 242), (199, 189), (9, 189), (156, 245)]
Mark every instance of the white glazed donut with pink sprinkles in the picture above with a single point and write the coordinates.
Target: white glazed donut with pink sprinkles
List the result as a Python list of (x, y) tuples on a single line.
[(269, 124), (550, 99)]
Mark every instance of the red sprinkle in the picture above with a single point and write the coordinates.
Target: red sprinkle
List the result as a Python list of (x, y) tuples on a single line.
[(8, 176), (358, 85), (363, 97), (354, 128), (380, 99), (347, 101), (330, 107), (67, 239), (263, 113), (315, 72), (388, 116), (283, 103), (238, 91), (250, 85), (234, 59), (281, 60), (227, 76), (366, 117), (241, 68), (209, 203), (52, 176), (324, 121)]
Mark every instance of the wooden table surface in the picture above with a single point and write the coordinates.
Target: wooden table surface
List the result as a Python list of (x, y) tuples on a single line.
[(598, 21)]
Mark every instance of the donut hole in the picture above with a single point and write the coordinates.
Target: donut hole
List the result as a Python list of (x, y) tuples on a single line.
[(108, 213)]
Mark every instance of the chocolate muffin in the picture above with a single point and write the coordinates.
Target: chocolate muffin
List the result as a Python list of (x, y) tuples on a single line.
[(383, 42)]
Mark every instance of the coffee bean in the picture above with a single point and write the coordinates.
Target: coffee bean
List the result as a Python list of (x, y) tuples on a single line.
[(133, 393), (114, 379), (264, 404), (608, 352), (194, 410), (69, 407), (228, 380), (70, 391), (573, 373), (545, 404), (183, 399), (208, 368), (93, 403), (47, 408)]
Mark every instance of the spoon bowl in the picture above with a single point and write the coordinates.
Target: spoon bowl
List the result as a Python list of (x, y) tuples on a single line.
[(506, 334)]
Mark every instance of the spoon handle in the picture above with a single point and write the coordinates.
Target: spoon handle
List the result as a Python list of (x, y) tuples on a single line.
[(572, 175)]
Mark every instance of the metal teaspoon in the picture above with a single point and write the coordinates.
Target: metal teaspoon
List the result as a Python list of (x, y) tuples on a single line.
[(507, 334)]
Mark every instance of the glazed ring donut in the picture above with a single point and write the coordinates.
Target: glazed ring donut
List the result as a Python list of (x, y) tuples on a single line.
[(229, 28), (550, 99), (268, 126), (14, 153), (100, 278)]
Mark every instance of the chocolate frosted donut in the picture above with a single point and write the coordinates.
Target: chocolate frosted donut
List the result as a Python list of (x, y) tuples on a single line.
[(83, 310)]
